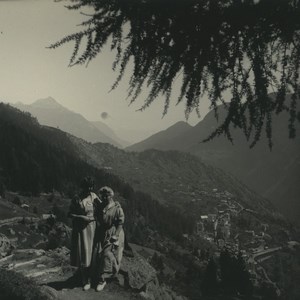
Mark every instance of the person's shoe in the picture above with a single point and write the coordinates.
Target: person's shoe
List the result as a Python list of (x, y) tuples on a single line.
[(86, 287), (100, 286)]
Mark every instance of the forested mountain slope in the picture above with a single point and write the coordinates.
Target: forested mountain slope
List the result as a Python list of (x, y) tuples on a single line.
[(174, 178), (271, 173)]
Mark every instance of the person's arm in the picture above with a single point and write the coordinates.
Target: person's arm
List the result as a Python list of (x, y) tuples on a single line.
[(120, 221), (83, 217), (97, 207), (73, 211)]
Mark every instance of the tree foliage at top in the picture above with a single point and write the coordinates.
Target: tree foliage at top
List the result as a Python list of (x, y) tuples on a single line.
[(248, 48)]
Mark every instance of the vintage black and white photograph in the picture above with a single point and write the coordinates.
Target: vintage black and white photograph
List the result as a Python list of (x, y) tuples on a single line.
[(149, 149)]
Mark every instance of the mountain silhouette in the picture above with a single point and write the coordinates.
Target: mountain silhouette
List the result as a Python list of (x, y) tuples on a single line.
[(49, 112), (271, 173), (109, 132)]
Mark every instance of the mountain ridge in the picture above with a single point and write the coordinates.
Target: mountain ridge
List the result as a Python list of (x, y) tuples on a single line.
[(165, 136), (49, 112), (48, 102), (164, 196), (109, 132), (270, 173), (152, 170)]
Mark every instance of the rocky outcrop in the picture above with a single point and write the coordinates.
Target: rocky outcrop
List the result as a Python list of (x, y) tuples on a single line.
[(49, 292), (51, 270), (137, 272), (140, 276), (42, 265)]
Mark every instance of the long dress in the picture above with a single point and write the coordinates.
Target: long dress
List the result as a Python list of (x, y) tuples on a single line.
[(110, 253), (83, 232)]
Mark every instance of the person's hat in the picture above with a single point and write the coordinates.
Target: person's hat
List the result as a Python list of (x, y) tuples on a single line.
[(106, 190)]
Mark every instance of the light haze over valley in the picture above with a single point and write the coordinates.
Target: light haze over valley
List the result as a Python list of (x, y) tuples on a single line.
[(30, 71), (210, 220)]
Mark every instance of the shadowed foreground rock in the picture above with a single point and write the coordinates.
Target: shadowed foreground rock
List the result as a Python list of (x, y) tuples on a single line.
[(51, 270), (137, 273)]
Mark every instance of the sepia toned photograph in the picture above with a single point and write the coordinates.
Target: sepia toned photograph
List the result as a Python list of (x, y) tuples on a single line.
[(149, 149)]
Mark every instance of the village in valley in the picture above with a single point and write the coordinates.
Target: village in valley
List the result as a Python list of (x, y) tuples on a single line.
[(223, 227)]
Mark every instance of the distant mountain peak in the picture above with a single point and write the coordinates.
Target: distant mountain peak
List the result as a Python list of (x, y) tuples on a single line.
[(51, 113), (48, 102), (163, 136), (180, 124)]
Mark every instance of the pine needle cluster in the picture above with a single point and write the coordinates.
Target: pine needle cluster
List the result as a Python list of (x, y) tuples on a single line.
[(247, 48)]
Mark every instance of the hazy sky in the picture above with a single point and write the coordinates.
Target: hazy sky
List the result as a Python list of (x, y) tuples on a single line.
[(29, 71)]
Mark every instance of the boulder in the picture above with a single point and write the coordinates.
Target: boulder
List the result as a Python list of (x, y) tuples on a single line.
[(137, 272), (145, 296), (49, 292)]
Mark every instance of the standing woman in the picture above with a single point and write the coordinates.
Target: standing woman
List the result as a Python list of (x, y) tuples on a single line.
[(82, 211), (110, 236)]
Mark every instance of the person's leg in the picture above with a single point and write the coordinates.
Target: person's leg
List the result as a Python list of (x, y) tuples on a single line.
[(105, 268), (101, 283), (86, 281)]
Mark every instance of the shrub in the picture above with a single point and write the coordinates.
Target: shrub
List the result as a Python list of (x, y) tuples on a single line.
[(15, 286)]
